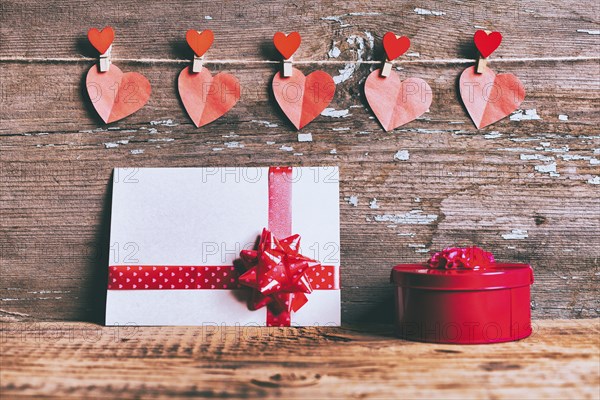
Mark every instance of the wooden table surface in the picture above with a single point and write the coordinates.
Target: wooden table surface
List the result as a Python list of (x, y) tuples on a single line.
[(525, 188), (560, 360)]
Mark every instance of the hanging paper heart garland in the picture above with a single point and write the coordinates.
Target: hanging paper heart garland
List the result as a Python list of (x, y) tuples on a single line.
[(396, 102), (395, 46), (487, 43), (114, 94), (101, 39), (200, 42), (287, 45), (489, 97), (206, 97), (301, 98)]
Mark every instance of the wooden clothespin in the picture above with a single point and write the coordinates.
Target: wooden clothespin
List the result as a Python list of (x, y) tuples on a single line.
[(482, 61), (387, 68), (200, 42), (287, 46), (394, 47), (486, 42), (287, 67), (102, 41), (105, 60), (197, 63)]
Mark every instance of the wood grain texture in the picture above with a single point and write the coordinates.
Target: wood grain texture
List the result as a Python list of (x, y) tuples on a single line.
[(66, 360), (526, 189)]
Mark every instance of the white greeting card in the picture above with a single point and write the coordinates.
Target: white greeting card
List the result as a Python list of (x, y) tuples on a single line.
[(176, 234)]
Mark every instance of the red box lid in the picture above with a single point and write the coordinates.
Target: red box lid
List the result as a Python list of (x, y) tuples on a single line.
[(500, 276)]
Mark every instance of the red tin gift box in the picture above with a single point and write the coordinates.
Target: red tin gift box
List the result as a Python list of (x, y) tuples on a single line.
[(463, 306)]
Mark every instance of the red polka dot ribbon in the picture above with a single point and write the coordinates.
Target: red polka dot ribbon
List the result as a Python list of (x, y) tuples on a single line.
[(278, 274)]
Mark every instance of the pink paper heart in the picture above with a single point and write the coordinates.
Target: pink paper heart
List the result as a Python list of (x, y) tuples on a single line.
[(115, 94), (396, 102), (302, 98), (206, 97), (489, 97)]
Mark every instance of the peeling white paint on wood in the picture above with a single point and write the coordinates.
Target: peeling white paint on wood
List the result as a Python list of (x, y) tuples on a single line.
[(548, 168), (373, 204), (352, 200), (402, 155), (424, 11), (594, 180), (286, 148), (413, 217), (164, 122), (371, 40), (333, 151), (516, 234), (525, 115), (515, 149), (492, 135), (110, 145), (563, 117), (265, 123), (161, 140), (349, 69), (540, 157), (589, 31), (335, 51), (233, 145), (546, 147), (136, 151), (340, 129), (339, 18), (333, 113), (575, 157), (305, 137), (344, 73)]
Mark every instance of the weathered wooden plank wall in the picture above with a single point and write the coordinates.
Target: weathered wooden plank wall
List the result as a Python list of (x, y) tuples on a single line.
[(526, 188)]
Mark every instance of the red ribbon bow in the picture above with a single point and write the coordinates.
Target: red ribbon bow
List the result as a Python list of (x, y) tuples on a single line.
[(278, 273), (462, 258)]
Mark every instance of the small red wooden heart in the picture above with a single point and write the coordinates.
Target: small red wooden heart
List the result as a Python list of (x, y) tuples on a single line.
[(200, 42), (287, 44), (206, 97), (395, 46), (487, 44), (115, 94), (395, 102), (489, 97), (101, 40), (302, 98)]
